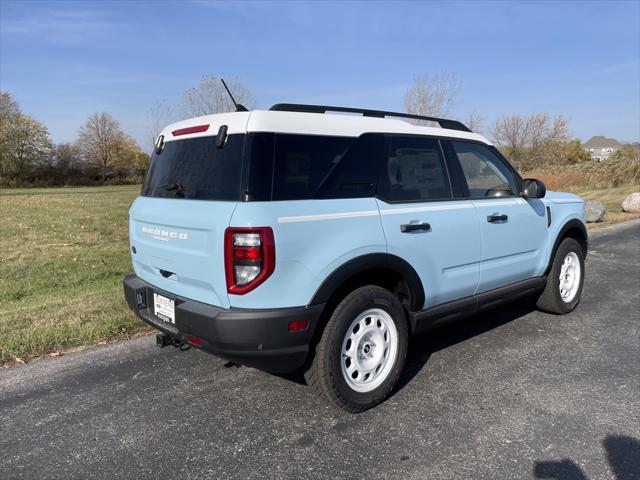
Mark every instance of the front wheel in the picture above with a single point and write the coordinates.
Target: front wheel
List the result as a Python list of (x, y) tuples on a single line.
[(362, 351), (566, 278)]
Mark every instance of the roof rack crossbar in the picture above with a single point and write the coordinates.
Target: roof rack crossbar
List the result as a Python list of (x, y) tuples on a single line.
[(295, 107)]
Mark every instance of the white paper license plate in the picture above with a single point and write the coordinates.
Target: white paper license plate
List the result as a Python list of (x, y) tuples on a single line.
[(164, 308)]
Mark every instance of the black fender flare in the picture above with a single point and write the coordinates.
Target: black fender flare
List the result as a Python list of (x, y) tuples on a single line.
[(372, 261), (573, 224)]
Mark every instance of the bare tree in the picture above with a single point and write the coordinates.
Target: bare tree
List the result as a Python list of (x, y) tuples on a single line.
[(530, 140), (512, 133), (159, 116), (475, 122), (209, 96), (432, 95), (541, 128), (559, 129), (66, 156), (99, 139)]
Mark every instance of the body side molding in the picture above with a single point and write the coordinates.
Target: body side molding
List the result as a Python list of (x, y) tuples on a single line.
[(464, 307)]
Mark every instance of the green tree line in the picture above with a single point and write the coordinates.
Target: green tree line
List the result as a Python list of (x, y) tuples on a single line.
[(102, 152)]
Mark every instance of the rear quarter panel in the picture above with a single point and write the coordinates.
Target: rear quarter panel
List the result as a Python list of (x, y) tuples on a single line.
[(313, 238)]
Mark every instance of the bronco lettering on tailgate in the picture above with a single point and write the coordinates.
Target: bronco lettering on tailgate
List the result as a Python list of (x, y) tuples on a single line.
[(164, 235)]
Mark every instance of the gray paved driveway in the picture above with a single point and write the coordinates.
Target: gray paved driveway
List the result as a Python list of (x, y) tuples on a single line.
[(513, 393)]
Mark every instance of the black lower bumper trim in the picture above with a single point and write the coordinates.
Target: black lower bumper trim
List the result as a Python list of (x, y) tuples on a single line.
[(258, 338)]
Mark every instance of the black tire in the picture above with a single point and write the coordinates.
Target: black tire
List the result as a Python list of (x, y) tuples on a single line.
[(325, 375), (551, 300)]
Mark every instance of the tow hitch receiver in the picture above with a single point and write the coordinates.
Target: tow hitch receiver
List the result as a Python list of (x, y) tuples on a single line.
[(164, 340)]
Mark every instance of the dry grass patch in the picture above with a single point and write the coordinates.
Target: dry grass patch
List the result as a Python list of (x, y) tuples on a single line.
[(608, 182), (612, 200)]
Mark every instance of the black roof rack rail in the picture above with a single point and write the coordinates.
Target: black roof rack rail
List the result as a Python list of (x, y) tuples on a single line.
[(295, 107)]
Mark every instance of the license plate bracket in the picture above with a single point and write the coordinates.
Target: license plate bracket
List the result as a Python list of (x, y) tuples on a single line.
[(164, 308)]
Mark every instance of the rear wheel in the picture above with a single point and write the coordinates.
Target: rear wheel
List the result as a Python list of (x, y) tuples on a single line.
[(362, 350), (566, 278)]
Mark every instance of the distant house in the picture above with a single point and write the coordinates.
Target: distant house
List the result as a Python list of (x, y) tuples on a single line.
[(601, 148)]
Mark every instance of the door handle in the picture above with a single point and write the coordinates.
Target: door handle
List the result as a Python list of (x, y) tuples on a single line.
[(166, 273), (412, 227), (497, 218)]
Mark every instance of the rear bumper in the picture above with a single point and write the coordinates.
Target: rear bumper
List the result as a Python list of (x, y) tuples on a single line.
[(258, 338)]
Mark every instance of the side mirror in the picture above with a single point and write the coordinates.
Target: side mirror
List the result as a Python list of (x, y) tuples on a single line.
[(533, 188)]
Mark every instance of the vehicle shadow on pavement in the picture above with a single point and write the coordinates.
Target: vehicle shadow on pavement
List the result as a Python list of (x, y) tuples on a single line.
[(623, 456), (438, 338)]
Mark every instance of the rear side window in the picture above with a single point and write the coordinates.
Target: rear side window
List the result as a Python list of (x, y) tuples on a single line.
[(259, 172), (299, 167), (413, 171), (303, 164), (355, 176), (195, 169)]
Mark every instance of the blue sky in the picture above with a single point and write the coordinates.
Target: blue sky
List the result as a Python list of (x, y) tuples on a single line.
[(65, 60)]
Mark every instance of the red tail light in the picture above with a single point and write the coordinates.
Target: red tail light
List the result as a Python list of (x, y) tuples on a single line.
[(249, 258)]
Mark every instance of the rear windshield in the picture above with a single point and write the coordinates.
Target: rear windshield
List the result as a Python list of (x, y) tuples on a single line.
[(195, 169)]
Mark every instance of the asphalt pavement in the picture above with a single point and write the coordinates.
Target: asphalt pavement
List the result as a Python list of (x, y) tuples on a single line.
[(513, 393)]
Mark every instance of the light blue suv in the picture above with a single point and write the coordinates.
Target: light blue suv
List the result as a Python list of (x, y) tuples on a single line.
[(323, 238)]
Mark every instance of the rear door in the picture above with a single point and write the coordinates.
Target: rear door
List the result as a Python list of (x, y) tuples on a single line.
[(176, 227), (513, 229), (423, 223)]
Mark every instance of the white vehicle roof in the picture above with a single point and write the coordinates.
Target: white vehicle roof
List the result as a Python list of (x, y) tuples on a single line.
[(333, 124)]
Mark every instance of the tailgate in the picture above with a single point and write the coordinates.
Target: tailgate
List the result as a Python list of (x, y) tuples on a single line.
[(179, 246)]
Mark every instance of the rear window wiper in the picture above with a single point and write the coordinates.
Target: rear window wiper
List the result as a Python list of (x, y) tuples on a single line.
[(174, 187)]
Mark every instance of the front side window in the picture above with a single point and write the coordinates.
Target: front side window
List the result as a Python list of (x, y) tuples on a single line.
[(486, 174), (413, 171)]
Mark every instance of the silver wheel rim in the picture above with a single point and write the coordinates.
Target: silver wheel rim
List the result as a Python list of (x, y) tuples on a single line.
[(369, 350), (570, 273)]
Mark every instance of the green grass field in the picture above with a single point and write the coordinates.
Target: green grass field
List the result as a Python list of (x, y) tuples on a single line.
[(63, 253)]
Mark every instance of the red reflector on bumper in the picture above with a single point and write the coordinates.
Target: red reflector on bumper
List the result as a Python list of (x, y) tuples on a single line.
[(297, 325), (195, 341)]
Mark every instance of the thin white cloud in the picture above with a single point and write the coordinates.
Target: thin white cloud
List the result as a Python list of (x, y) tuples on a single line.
[(367, 17), (63, 26), (617, 68), (227, 6)]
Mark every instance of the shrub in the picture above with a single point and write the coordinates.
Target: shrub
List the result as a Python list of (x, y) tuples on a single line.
[(615, 172)]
